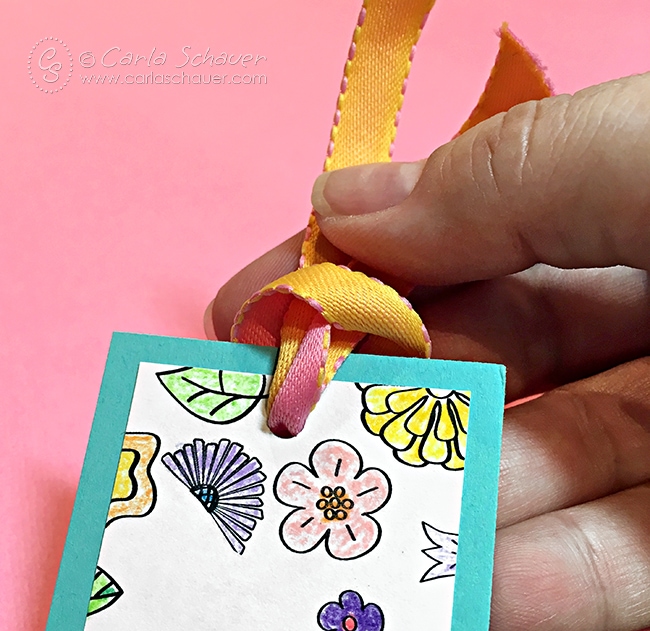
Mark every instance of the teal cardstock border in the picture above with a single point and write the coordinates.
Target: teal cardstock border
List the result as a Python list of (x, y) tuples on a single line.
[(473, 582)]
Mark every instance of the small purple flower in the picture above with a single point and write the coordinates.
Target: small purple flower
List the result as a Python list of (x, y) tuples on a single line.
[(350, 614)]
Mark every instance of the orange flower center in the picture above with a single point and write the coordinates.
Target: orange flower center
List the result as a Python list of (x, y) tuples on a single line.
[(335, 503)]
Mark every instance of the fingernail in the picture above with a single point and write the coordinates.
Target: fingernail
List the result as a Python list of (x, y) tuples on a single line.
[(364, 189)]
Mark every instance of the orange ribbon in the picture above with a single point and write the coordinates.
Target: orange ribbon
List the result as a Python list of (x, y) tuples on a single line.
[(320, 312)]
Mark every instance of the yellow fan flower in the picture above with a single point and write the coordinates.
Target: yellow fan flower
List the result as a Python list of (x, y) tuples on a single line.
[(422, 425)]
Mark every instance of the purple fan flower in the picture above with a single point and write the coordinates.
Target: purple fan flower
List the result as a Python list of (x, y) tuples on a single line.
[(350, 614), (227, 482)]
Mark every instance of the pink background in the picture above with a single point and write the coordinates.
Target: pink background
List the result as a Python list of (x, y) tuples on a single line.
[(126, 207)]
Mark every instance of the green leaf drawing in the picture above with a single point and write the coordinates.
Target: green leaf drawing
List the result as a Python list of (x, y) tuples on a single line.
[(104, 593), (216, 396)]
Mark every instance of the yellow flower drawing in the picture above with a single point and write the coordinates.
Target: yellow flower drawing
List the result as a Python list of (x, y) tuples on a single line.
[(134, 491), (422, 425)]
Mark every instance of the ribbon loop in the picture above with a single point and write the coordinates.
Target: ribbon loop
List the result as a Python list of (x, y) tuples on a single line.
[(317, 315), (350, 301)]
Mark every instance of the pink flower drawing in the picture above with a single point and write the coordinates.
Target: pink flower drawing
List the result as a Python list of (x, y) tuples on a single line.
[(334, 498)]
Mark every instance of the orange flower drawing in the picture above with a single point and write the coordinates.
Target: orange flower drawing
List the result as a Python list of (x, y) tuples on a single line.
[(134, 491)]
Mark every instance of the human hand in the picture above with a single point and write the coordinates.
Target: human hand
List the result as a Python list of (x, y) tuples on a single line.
[(511, 232)]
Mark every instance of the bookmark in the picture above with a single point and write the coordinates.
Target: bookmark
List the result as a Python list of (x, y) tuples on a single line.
[(379, 513)]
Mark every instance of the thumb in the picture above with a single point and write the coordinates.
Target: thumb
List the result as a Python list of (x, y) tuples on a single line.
[(563, 181)]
